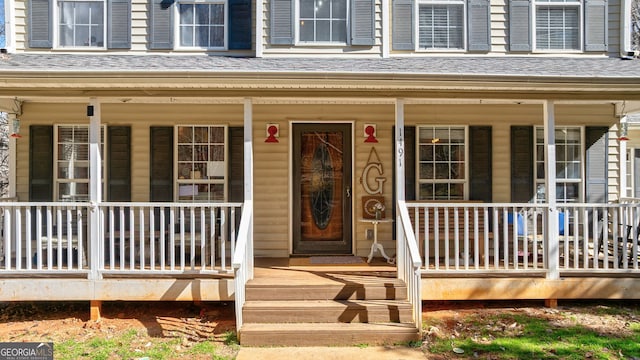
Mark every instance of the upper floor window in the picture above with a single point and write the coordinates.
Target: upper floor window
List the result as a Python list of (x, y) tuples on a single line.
[(441, 24), (557, 25), (323, 21), (438, 25), (202, 24), (81, 23), (442, 162)]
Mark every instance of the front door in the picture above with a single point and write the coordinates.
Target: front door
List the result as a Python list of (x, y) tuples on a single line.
[(321, 189)]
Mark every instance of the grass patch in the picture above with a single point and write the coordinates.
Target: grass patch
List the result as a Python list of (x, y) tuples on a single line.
[(519, 336)]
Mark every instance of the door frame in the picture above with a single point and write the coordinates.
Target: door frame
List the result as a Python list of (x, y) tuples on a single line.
[(351, 125)]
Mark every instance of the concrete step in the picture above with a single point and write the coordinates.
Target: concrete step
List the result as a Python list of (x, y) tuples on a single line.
[(327, 311), (319, 334)]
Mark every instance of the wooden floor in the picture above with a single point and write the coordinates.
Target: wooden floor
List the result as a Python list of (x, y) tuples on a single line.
[(270, 271)]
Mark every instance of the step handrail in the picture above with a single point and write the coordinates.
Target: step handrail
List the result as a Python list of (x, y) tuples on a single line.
[(409, 262)]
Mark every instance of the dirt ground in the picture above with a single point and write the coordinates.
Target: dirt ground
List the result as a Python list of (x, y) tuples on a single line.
[(196, 322)]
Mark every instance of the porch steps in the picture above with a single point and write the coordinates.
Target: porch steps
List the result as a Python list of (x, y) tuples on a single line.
[(343, 311)]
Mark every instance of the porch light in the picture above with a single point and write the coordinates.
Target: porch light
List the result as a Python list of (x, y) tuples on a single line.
[(15, 125)]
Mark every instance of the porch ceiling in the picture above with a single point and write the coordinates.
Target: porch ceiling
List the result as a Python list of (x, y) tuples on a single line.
[(175, 78)]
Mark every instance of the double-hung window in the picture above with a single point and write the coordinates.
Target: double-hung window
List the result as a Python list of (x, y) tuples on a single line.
[(201, 168), (81, 23), (202, 24), (441, 24), (71, 156), (558, 24), (442, 162), (569, 164), (323, 21)]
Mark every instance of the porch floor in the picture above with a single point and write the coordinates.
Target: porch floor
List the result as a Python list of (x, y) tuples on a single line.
[(274, 271)]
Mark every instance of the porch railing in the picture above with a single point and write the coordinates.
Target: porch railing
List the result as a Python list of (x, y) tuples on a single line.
[(165, 238), (409, 263), (506, 238), (243, 259)]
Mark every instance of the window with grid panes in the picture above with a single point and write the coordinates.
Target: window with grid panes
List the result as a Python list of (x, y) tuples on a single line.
[(202, 23), (441, 24), (569, 150), (201, 166), (323, 21), (442, 162), (81, 23), (558, 24), (72, 162)]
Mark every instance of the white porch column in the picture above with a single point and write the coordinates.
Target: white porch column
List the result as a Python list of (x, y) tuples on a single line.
[(400, 171), (95, 186), (553, 254), (12, 158), (248, 172), (622, 165)]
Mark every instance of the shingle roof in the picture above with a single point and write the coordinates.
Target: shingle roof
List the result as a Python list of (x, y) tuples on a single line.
[(525, 66)]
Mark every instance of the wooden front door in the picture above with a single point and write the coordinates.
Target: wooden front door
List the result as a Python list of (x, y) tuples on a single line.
[(322, 189)]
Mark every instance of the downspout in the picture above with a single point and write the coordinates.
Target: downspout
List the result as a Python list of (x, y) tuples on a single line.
[(9, 26), (625, 30)]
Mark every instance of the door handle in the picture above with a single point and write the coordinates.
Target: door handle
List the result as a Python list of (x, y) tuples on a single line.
[(348, 191)]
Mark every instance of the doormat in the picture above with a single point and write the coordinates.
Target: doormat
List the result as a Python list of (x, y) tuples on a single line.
[(335, 260)]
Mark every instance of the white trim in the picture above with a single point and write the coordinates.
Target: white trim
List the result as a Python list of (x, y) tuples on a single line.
[(176, 25), (56, 27), (354, 248), (625, 28), (259, 28), (385, 44), (465, 181)]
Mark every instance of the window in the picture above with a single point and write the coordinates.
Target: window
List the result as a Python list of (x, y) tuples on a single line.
[(442, 164), (202, 24), (441, 24), (81, 23), (569, 150), (557, 24), (201, 167), (323, 21), (71, 156)]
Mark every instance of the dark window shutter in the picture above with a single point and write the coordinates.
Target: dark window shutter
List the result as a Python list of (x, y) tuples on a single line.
[(595, 25), (281, 22), (479, 18), (119, 24), (402, 36), (41, 163), (480, 153), (596, 164), (161, 163), (236, 164), (239, 25), (522, 164), (520, 25), (161, 24), (362, 22), (40, 22), (119, 163)]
